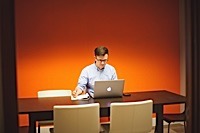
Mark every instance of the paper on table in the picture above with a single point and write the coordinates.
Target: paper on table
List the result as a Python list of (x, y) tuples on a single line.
[(79, 97)]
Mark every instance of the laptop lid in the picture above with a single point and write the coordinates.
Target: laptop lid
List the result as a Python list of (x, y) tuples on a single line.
[(108, 88)]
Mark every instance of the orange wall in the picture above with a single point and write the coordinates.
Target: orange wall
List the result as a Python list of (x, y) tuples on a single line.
[(56, 39)]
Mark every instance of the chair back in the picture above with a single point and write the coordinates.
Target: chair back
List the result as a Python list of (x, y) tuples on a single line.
[(76, 118), (131, 117), (54, 93)]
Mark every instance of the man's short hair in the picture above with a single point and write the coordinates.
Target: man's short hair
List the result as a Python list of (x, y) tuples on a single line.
[(100, 51)]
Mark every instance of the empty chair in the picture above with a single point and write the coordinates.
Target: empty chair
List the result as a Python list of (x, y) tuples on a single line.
[(51, 93), (131, 117), (54, 93), (76, 118), (175, 117)]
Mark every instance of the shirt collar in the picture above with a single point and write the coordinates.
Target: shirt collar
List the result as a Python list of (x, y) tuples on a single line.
[(98, 68)]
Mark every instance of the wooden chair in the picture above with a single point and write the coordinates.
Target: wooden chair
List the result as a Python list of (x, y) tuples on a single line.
[(131, 117), (175, 117), (76, 118), (51, 93)]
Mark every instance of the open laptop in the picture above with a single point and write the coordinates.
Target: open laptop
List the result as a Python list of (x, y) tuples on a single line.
[(108, 88)]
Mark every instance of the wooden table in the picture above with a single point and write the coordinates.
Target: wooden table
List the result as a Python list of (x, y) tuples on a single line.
[(42, 108)]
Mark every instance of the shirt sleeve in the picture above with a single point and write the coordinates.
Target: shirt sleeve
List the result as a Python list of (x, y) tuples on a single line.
[(83, 79), (114, 76)]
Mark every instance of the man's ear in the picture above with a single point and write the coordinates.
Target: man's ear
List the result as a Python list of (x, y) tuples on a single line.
[(95, 58)]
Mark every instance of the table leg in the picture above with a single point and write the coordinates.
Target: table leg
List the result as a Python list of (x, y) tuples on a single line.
[(32, 124), (159, 119)]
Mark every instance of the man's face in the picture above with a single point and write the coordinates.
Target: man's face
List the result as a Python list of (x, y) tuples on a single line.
[(101, 61)]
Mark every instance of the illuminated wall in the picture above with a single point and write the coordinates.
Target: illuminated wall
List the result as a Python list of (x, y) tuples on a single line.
[(56, 39)]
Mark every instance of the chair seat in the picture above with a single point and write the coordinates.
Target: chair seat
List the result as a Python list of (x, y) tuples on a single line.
[(45, 123), (174, 117)]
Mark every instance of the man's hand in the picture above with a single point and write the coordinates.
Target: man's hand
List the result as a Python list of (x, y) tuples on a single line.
[(77, 92)]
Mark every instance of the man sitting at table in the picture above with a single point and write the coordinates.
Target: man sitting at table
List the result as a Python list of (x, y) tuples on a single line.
[(99, 70)]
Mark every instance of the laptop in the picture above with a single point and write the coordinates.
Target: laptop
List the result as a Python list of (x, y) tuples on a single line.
[(108, 88)]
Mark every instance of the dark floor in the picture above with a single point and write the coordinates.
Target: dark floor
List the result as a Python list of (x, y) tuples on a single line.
[(175, 128)]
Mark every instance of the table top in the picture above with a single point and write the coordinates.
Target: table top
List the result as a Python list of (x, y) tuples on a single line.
[(160, 97)]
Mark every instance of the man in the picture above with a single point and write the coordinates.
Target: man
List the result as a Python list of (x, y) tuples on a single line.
[(99, 70)]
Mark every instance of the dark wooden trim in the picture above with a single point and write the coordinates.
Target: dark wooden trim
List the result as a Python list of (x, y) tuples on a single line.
[(8, 89), (192, 65)]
